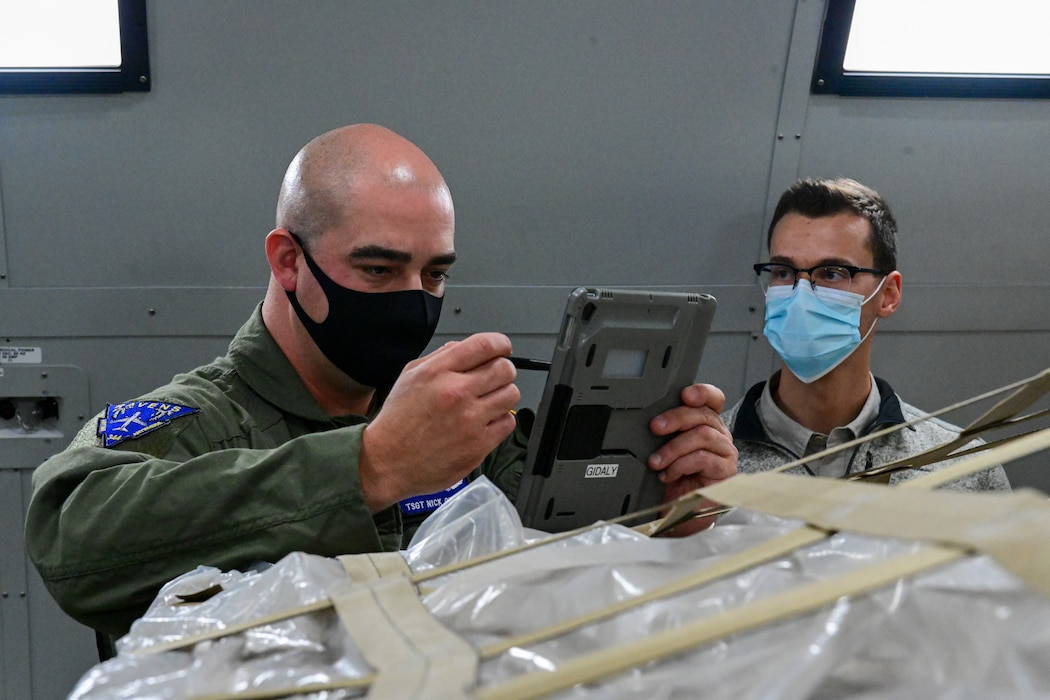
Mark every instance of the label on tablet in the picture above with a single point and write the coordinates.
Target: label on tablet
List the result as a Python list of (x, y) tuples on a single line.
[(601, 471)]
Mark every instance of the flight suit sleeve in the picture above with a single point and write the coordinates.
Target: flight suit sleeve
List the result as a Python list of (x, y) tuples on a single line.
[(504, 465), (106, 527)]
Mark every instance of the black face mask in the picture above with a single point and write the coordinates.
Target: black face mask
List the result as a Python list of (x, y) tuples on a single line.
[(370, 336)]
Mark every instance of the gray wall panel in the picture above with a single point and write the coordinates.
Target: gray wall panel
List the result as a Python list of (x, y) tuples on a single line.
[(61, 650), (558, 126), (963, 178)]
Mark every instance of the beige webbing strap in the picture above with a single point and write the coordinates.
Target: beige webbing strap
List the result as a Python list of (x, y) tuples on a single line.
[(1025, 392), (784, 502), (413, 654), (364, 567), (1004, 451), (1021, 399), (360, 567), (947, 451), (681, 510), (922, 459), (299, 690), (655, 647), (970, 462), (237, 628), (374, 565), (1002, 526), (753, 556)]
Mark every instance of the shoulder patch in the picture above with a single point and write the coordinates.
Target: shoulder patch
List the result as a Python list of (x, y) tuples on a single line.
[(132, 419)]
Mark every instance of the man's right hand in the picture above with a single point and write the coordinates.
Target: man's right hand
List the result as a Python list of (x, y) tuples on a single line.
[(443, 416)]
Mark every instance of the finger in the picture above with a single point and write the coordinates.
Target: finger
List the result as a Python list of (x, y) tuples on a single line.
[(473, 351), (692, 444), (499, 403), (701, 439), (491, 376), (501, 426), (432, 355), (493, 427), (709, 395), (703, 468), (682, 418)]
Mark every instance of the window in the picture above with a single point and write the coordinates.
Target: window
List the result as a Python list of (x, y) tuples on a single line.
[(65, 46), (934, 48)]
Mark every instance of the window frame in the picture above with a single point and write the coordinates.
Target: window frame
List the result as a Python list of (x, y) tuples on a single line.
[(830, 77), (133, 75)]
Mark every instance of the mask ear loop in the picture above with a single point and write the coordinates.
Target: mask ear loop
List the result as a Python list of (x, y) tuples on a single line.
[(877, 289), (866, 300)]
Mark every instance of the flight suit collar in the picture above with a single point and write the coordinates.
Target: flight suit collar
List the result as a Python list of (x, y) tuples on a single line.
[(263, 366)]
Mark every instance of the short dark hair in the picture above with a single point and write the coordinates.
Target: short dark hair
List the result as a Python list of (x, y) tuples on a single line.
[(815, 198)]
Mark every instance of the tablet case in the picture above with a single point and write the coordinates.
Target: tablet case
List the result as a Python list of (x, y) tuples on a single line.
[(622, 358)]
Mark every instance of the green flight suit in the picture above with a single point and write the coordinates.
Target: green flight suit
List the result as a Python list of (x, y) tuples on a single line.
[(258, 471)]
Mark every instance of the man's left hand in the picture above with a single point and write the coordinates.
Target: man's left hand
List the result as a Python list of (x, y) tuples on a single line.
[(701, 452)]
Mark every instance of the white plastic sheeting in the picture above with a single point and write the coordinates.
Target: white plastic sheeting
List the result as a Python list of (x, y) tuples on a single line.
[(304, 650), (968, 630)]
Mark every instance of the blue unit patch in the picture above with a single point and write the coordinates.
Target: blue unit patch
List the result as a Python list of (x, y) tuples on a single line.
[(428, 503), (133, 419)]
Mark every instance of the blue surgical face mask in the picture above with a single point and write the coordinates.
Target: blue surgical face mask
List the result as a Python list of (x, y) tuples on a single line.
[(814, 329)]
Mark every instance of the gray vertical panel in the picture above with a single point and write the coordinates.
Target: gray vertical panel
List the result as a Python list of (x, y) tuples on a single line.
[(14, 615), (965, 180), (3, 239), (61, 649), (45, 651), (784, 168)]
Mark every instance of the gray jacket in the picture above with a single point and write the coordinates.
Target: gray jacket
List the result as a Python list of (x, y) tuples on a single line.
[(758, 453)]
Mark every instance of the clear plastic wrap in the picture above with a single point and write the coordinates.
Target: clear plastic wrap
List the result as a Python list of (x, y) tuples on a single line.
[(478, 521), (298, 579), (307, 649), (966, 630)]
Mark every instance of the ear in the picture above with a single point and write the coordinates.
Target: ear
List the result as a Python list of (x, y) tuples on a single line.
[(890, 296), (283, 255)]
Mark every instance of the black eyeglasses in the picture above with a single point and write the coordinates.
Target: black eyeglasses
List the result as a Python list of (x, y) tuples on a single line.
[(772, 274)]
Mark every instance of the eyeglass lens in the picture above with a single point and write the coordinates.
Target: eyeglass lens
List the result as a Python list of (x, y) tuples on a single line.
[(826, 276)]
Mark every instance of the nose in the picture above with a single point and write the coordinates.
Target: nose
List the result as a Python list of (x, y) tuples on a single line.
[(414, 281), (809, 278)]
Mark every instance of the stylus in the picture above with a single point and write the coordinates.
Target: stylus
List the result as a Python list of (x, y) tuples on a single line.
[(526, 363)]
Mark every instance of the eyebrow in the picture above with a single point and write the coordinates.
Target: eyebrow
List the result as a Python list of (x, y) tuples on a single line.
[(823, 261), (378, 252)]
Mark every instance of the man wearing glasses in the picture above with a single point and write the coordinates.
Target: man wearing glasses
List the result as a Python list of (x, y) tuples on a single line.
[(832, 274)]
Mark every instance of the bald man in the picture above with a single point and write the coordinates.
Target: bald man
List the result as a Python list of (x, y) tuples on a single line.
[(322, 418)]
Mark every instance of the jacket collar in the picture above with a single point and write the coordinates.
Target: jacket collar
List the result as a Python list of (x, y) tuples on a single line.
[(263, 366), (747, 425)]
